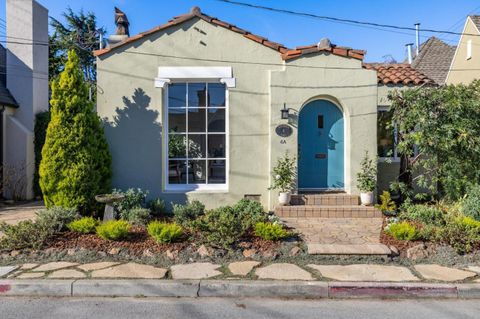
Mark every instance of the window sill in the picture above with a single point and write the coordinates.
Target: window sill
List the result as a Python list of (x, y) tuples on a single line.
[(214, 188)]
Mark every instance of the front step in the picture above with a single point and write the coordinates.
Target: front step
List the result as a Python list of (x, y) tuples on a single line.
[(326, 199), (346, 211), (339, 249)]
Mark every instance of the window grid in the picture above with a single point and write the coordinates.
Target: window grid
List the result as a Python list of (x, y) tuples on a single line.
[(207, 158)]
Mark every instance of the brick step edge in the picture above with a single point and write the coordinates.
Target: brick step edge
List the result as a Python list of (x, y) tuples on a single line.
[(235, 289), (328, 211)]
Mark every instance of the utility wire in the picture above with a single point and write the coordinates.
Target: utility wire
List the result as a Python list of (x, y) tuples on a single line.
[(312, 15)]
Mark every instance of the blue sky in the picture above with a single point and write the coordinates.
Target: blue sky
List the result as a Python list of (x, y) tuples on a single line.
[(292, 30)]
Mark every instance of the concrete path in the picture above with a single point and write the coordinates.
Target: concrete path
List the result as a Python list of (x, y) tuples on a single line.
[(120, 308), (16, 213)]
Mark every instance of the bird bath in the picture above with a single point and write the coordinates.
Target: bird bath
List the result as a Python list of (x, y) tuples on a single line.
[(109, 200)]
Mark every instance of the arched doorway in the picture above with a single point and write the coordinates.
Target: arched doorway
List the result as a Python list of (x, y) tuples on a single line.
[(320, 146)]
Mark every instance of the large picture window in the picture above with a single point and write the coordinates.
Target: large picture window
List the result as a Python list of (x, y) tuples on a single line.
[(196, 124)]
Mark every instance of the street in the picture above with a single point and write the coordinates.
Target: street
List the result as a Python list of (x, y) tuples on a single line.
[(118, 308)]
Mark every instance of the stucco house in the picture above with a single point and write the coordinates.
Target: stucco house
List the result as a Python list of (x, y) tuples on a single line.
[(23, 93), (465, 66), (198, 108)]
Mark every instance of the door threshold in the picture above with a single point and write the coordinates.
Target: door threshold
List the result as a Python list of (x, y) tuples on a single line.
[(321, 191)]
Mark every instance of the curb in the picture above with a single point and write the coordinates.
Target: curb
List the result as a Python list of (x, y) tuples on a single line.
[(235, 289)]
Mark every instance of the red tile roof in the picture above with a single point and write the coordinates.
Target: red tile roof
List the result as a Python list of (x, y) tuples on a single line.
[(286, 53), (398, 73)]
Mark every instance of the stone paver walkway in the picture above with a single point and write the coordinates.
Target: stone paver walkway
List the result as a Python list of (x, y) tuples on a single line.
[(16, 213), (241, 269)]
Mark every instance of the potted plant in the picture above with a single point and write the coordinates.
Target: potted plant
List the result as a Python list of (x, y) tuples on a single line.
[(284, 176), (367, 179)]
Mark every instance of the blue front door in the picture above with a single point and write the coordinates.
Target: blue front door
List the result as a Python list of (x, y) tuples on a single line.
[(320, 146)]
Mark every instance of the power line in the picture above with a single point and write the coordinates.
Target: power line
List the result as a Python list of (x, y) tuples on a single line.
[(312, 15)]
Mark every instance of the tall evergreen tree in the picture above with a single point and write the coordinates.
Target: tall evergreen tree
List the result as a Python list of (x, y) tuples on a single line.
[(76, 163)]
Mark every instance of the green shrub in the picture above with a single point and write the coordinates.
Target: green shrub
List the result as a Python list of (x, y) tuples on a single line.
[(367, 177), (184, 215), (471, 203), (386, 203), (56, 218), (40, 130), (428, 215), (250, 212), (462, 233), (270, 231), (137, 216), (133, 198), (113, 230), (164, 232), (402, 231), (76, 163), (26, 234), (221, 227), (85, 225), (157, 207)]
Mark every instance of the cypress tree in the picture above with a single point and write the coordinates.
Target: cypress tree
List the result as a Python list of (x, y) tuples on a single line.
[(76, 163)]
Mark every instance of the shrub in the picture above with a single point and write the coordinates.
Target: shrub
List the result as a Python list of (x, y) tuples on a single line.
[(76, 163), (284, 174), (137, 216), (26, 234), (164, 232), (270, 231), (56, 218), (471, 203), (250, 212), (221, 227), (428, 215), (402, 231), (462, 233), (133, 198), (157, 207), (113, 230), (386, 203), (367, 177), (85, 225), (184, 215)]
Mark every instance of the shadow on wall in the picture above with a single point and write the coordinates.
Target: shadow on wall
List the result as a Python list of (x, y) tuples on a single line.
[(135, 139)]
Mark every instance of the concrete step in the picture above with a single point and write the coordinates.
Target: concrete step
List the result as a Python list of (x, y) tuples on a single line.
[(326, 199), (339, 249), (347, 211)]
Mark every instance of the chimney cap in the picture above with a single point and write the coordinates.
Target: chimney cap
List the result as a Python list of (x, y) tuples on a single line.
[(195, 10), (324, 43)]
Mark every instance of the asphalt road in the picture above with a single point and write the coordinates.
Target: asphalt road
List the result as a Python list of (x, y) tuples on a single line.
[(119, 308)]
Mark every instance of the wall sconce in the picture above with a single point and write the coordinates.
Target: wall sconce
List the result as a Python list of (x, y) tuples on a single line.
[(284, 112)]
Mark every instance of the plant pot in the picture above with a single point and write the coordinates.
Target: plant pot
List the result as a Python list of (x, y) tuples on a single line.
[(366, 198), (284, 198)]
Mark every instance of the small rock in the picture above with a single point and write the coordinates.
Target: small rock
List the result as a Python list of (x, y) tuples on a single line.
[(417, 252), (295, 251), (248, 253), (245, 245), (204, 251), (102, 254), (71, 251), (114, 251), (14, 253), (172, 255), (49, 251), (394, 250), (148, 253), (270, 254)]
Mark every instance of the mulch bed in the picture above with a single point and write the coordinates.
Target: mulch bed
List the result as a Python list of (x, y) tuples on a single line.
[(402, 245), (139, 241)]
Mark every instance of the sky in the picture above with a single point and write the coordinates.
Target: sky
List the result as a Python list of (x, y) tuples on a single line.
[(294, 30)]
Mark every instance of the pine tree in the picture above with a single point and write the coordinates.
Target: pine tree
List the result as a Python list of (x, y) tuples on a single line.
[(76, 163)]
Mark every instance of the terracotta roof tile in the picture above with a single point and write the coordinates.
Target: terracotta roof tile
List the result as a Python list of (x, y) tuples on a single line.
[(287, 53), (398, 73)]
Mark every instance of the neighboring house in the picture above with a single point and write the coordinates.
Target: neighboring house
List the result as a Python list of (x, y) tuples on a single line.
[(465, 66), (23, 92), (198, 108), (434, 59)]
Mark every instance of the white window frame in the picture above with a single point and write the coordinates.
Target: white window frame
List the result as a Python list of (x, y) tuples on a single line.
[(395, 157), (469, 49), (181, 188)]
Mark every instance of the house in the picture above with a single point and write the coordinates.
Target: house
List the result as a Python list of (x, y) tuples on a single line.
[(23, 92), (434, 59), (465, 66), (198, 108)]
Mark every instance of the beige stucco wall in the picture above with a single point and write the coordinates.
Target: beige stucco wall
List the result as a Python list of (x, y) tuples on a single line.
[(463, 70), (263, 84)]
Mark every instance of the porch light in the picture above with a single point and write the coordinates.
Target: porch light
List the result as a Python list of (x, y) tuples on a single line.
[(284, 112)]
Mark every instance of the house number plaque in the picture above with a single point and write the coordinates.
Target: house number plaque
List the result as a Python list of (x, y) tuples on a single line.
[(283, 130)]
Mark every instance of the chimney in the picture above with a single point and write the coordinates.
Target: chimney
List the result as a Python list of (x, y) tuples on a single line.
[(27, 64), (122, 31), (417, 37), (409, 52)]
